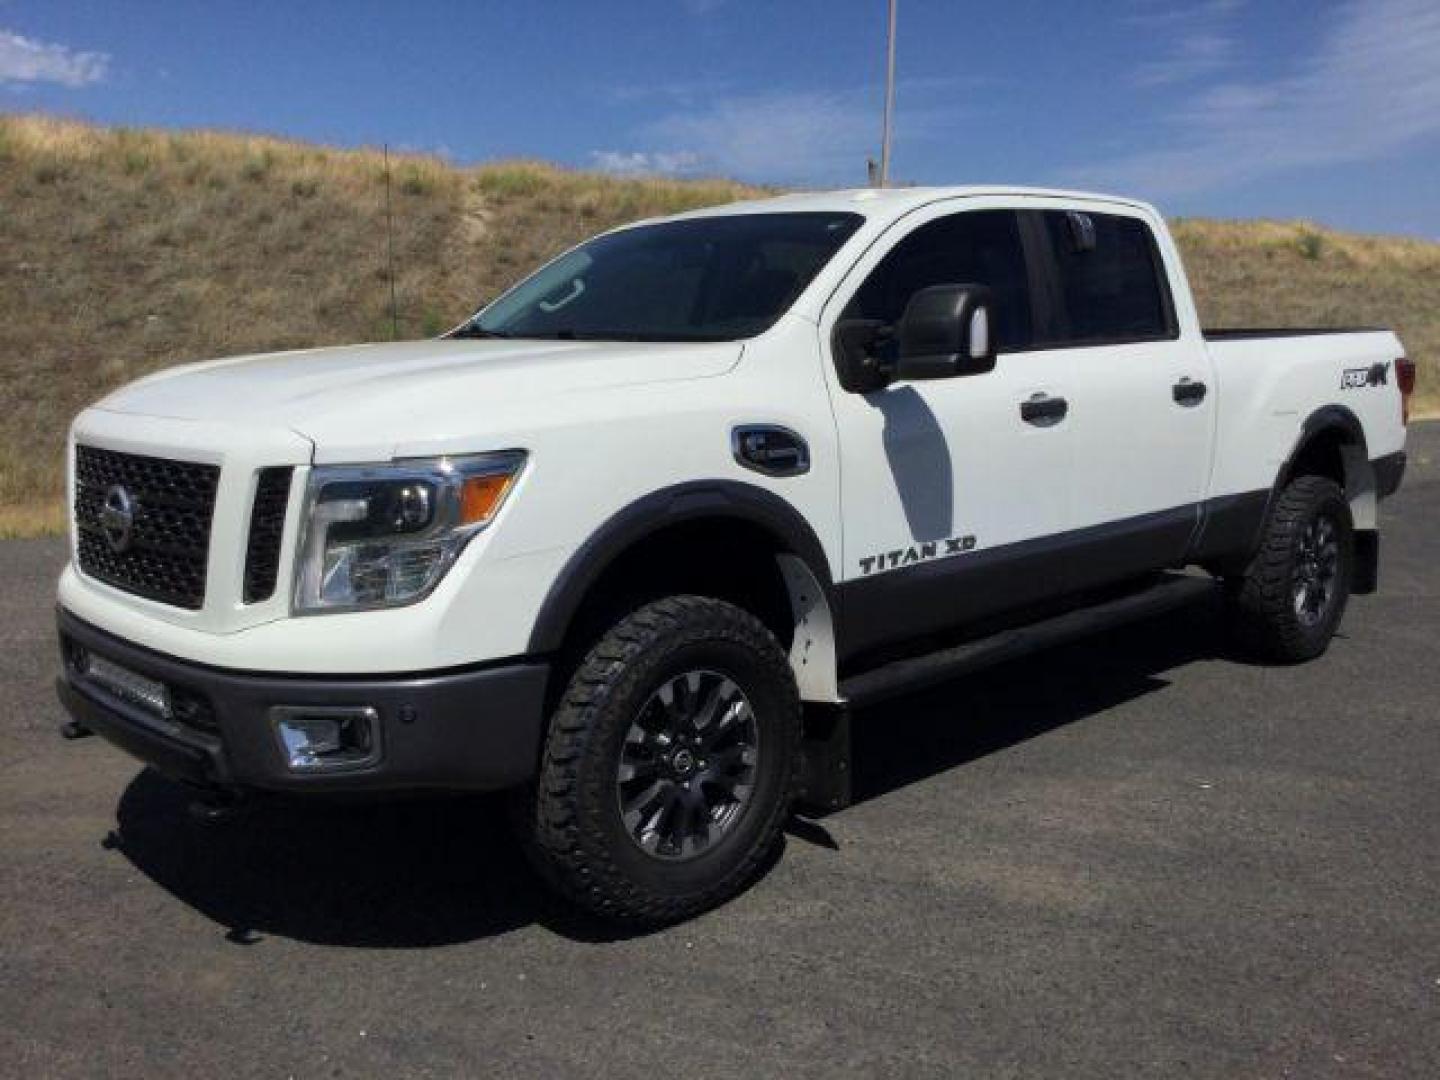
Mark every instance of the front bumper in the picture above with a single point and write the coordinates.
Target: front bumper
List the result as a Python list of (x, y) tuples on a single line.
[(475, 729)]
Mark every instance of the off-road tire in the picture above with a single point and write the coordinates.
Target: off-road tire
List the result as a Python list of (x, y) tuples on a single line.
[(576, 836), (1262, 603)]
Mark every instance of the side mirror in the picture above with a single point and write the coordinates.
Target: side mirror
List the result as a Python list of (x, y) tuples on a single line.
[(947, 330)]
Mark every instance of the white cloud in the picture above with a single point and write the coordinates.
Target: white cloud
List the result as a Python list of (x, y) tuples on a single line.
[(1167, 13), (643, 163), (778, 136), (1370, 88), (786, 136), (24, 60), (1187, 42), (1196, 55), (797, 137)]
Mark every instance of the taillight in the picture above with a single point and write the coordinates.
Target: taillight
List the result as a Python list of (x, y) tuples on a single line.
[(1405, 379)]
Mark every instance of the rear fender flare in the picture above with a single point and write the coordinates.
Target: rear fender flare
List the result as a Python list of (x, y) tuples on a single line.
[(1359, 474)]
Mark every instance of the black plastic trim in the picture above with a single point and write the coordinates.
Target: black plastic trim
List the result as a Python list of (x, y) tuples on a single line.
[(948, 593), (1325, 417), (659, 510), (755, 447), (1389, 472), (1230, 528), (267, 528), (476, 729), (1148, 596)]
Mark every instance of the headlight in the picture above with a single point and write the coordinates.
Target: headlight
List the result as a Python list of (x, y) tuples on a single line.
[(384, 535)]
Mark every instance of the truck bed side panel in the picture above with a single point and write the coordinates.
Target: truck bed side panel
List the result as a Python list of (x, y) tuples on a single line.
[(1270, 386)]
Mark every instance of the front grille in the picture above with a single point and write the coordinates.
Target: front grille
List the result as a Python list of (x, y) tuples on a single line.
[(267, 525), (171, 504)]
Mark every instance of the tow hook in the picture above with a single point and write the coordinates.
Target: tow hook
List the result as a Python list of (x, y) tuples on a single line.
[(215, 808), (73, 729)]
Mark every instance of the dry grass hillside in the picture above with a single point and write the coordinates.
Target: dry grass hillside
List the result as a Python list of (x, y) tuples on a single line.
[(123, 251)]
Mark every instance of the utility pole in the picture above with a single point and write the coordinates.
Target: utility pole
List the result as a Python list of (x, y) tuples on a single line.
[(889, 100)]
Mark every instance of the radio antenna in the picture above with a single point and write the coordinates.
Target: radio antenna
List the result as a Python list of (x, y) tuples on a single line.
[(390, 251)]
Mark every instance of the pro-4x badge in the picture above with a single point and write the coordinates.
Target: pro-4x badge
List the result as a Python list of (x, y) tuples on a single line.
[(1377, 374), (906, 556)]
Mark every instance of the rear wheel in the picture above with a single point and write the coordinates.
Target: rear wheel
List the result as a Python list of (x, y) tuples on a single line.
[(1290, 601), (669, 763)]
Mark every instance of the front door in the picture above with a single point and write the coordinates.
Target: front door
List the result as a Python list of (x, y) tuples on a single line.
[(952, 490)]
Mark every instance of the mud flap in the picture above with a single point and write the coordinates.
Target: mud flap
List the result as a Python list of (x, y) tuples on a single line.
[(825, 767), (1366, 579)]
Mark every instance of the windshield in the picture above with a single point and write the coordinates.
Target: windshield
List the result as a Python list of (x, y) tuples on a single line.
[(706, 279)]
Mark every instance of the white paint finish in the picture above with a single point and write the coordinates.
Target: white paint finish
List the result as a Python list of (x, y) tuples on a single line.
[(1268, 386), (606, 424), (1137, 450), (469, 617), (366, 402), (592, 452), (930, 460)]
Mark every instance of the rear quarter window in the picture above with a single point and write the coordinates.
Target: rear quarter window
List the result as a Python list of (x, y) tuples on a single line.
[(1112, 285)]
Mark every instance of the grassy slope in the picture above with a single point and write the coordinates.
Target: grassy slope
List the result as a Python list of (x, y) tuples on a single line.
[(123, 251)]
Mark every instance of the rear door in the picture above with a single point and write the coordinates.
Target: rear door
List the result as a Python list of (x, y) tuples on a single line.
[(1142, 399)]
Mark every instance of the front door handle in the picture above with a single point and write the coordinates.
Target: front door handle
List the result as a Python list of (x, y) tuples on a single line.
[(1188, 393), (1042, 410)]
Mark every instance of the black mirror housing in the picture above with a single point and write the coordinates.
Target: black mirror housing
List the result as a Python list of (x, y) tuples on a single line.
[(947, 330), (864, 351)]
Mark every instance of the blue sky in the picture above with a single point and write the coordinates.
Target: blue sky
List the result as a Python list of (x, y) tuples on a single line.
[(1233, 108)]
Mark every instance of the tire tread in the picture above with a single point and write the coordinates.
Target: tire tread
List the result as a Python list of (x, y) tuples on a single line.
[(571, 855), (1262, 613)]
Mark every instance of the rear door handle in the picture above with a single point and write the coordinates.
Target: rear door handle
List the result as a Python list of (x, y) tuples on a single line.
[(1189, 393), (1042, 410)]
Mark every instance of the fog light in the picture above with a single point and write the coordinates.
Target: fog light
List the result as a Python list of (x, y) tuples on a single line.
[(320, 738)]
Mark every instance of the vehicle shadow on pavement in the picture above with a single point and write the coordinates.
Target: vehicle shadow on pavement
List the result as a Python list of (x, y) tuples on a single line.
[(396, 874), (422, 873), (911, 738)]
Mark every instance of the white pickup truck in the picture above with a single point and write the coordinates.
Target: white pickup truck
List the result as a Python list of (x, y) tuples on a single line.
[(632, 540)]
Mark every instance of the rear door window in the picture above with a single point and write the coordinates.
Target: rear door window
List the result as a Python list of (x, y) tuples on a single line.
[(1111, 281)]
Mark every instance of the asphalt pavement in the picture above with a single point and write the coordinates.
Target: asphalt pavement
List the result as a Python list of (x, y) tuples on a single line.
[(1131, 856)]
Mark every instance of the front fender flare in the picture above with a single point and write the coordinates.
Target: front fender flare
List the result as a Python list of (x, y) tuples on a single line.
[(659, 510)]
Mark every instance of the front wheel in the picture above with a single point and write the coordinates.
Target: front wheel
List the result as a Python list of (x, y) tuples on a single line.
[(669, 764), (1291, 598)]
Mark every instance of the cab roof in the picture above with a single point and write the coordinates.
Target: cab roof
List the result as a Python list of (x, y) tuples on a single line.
[(891, 203)]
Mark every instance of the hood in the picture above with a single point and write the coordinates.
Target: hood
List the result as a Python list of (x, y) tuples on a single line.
[(382, 389)]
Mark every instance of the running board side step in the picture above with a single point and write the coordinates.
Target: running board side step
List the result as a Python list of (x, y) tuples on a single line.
[(825, 773), (905, 676)]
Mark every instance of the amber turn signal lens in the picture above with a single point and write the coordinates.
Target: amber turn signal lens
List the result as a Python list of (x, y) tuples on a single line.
[(481, 496)]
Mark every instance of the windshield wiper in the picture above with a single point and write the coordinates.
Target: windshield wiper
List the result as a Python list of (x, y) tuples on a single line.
[(475, 330)]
